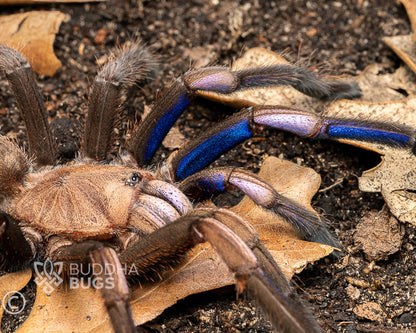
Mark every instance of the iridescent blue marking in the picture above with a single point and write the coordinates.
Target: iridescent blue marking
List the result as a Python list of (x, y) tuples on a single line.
[(213, 184), (164, 125), (360, 132), (213, 147)]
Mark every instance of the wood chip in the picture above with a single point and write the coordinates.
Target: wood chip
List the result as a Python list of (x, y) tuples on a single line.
[(371, 311)]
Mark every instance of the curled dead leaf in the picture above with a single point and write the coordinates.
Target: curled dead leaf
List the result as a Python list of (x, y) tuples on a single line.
[(410, 6), (67, 310), (404, 46)]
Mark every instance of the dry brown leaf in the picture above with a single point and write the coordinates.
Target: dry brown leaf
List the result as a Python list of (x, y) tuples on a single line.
[(395, 177), (81, 310), (33, 34), (9, 284), (386, 87), (410, 6), (404, 46), (76, 310), (174, 139)]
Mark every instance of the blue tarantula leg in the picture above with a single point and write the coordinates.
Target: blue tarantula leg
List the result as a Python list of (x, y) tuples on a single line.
[(216, 180), (174, 99), (199, 153), (240, 248), (22, 82), (312, 125), (124, 68), (152, 130)]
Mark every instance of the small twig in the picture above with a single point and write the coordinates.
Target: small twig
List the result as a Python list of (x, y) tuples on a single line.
[(337, 182)]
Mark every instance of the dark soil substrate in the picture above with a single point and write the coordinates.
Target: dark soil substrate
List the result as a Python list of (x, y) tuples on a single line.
[(342, 37)]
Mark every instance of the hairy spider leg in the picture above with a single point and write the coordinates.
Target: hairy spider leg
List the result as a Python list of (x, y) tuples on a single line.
[(175, 99), (216, 180), (22, 82), (202, 151), (252, 265), (124, 68), (114, 289), (147, 138), (312, 125)]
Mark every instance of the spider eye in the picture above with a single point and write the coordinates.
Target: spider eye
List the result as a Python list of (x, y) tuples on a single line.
[(134, 179)]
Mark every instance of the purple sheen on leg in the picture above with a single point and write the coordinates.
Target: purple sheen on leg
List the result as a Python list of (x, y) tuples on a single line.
[(168, 192), (257, 192), (211, 79), (302, 124)]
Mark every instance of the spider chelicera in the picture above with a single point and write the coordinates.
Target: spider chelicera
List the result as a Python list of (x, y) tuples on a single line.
[(92, 213)]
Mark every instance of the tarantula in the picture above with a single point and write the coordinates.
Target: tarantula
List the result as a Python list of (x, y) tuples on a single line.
[(121, 214)]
